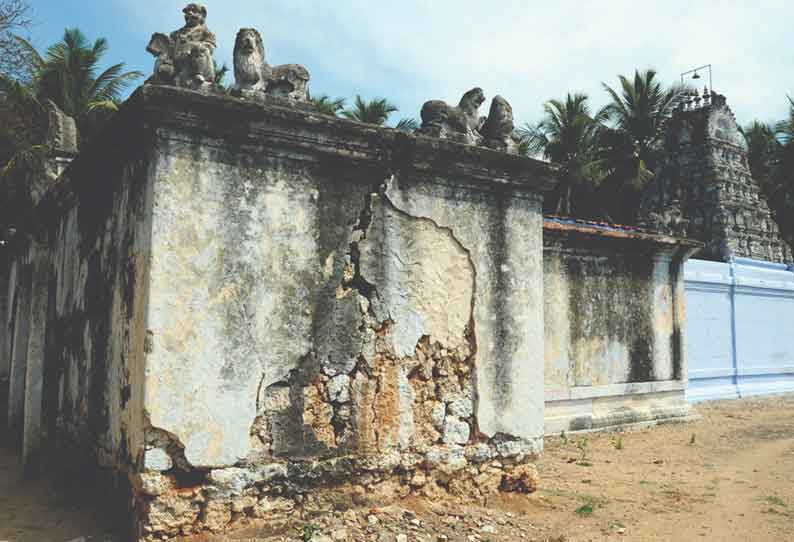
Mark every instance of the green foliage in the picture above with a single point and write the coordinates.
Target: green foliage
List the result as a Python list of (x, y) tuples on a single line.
[(618, 442), (568, 136), (327, 105), (308, 531), (583, 446), (66, 74), (220, 72), (563, 437), (771, 161), (586, 510), (407, 125), (631, 142), (376, 111), (776, 501), (15, 18)]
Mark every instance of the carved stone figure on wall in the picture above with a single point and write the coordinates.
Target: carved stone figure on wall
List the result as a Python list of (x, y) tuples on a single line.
[(161, 47), (184, 58), (254, 77), (499, 129), (668, 221), (289, 81), (251, 71), (459, 123)]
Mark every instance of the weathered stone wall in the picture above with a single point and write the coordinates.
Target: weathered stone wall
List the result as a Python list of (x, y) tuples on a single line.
[(338, 314), (614, 319), (246, 310), (77, 289), (5, 361)]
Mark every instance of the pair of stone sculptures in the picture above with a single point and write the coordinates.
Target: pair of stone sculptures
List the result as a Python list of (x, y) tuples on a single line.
[(465, 125), (184, 59)]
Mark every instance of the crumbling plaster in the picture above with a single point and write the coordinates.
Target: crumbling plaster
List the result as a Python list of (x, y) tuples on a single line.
[(258, 272)]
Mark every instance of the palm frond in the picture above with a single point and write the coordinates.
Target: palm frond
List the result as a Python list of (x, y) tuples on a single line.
[(409, 125)]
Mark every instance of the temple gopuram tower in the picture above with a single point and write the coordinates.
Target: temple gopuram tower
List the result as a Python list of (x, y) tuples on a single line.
[(704, 188)]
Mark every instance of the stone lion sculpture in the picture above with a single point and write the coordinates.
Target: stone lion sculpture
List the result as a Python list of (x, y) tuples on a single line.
[(254, 77), (498, 131), (251, 71), (459, 123)]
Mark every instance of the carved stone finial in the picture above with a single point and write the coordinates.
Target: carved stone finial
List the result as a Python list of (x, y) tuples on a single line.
[(461, 123), (255, 78), (184, 58), (499, 130)]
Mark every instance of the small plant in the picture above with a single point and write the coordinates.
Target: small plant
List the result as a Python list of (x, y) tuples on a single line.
[(777, 501), (692, 440), (618, 443), (582, 445), (308, 531), (563, 437), (586, 510)]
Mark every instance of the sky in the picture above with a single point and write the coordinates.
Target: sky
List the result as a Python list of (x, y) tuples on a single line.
[(412, 51)]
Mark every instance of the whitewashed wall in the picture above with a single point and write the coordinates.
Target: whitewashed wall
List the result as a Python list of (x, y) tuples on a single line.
[(740, 328)]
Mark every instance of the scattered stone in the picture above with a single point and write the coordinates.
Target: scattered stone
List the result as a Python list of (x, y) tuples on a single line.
[(520, 479), (372, 520), (490, 529), (402, 538), (339, 535)]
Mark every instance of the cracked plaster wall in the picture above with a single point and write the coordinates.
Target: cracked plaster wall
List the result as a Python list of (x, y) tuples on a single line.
[(285, 299)]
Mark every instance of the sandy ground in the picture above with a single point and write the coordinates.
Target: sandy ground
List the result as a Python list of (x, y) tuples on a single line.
[(728, 476)]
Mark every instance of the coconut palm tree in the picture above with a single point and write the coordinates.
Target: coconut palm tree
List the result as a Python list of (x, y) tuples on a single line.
[(567, 135), (66, 74), (640, 111), (327, 105), (762, 148), (376, 111), (780, 189), (407, 125), (632, 143)]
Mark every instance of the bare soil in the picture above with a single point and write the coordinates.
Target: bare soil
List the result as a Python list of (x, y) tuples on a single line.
[(726, 477)]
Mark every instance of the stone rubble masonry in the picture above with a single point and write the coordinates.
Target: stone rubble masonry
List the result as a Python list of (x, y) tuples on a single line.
[(253, 310), (706, 182)]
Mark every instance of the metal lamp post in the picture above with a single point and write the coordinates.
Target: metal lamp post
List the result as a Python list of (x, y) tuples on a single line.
[(697, 75)]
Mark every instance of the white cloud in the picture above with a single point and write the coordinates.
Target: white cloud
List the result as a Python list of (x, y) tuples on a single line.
[(414, 50)]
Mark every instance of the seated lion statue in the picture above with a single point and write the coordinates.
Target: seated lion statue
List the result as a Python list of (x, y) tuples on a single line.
[(254, 77), (461, 123), (498, 131)]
